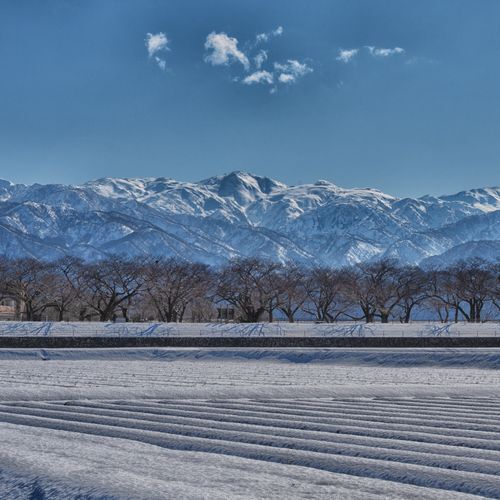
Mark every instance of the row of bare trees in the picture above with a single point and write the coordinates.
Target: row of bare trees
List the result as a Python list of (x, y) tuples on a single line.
[(256, 290), (380, 290)]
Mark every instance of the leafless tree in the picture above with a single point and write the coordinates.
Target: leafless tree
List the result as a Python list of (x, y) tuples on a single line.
[(26, 281), (495, 285), (413, 290), (290, 282), (60, 294), (172, 285), (107, 286), (247, 284), (474, 282), (445, 294), (375, 287), (326, 293)]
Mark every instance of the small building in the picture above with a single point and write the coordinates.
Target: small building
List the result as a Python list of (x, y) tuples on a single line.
[(225, 312), (8, 309)]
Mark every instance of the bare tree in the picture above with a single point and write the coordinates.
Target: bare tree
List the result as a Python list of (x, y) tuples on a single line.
[(172, 285), (290, 283), (441, 296), (4, 267), (495, 285), (326, 293), (413, 290), (247, 285), (375, 287), (59, 291), (26, 280), (473, 280), (108, 285)]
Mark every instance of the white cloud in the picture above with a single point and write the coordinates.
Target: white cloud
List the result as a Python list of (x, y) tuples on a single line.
[(291, 71), (224, 50), (286, 78), (259, 77), (162, 64), (264, 37), (157, 43), (260, 58), (261, 38), (346, 55), (381, 52)]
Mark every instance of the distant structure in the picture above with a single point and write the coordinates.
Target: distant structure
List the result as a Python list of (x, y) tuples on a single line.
[(225, 313), (8, 309)]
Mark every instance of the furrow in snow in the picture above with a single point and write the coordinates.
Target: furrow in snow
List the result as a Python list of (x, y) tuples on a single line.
[(373, 423), (404, 404), (419, 475), (370, 430), (391, 444), (241, 433), (441, 420)]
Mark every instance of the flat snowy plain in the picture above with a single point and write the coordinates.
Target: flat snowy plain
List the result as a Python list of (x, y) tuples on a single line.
[(250, 423), (275, 329)]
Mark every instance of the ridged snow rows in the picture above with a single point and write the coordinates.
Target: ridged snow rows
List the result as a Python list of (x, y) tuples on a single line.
[(443, 443)]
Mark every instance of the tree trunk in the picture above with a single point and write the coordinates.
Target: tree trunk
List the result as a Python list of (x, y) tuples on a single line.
[(472, 311), (384, 317), (125, 313)]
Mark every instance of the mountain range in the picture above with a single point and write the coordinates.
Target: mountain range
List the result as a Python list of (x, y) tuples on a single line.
[(241, 214)]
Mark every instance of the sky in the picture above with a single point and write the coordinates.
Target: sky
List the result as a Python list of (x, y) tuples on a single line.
[(399, 95)]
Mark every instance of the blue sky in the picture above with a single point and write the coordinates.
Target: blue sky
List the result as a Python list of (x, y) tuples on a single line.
[(399, 95)]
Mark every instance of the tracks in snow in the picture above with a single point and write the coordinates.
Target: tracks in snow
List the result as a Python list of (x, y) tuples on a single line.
[(442, 443)]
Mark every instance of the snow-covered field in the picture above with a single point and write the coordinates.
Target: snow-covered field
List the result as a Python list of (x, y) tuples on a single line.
[(250, 423), (277, 329)]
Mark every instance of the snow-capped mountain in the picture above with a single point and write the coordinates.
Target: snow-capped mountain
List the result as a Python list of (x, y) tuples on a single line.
[(241, 214)]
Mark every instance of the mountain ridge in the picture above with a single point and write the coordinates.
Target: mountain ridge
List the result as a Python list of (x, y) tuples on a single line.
[(240, 214)]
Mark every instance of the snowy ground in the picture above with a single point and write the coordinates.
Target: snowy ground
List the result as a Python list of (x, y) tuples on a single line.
[(250, 423), (276, 329)]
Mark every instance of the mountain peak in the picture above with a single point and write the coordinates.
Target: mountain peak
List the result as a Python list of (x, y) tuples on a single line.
[(323, 182), (243, 187)]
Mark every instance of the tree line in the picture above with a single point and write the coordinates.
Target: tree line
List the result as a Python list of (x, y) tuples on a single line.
[(253, 290)]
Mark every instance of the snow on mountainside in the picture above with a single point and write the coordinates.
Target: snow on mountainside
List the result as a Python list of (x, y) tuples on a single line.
[(489, 250), (240, 214)]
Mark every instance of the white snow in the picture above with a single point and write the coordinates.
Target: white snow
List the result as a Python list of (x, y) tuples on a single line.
[(276, 329), (250, 423), (208, 220)]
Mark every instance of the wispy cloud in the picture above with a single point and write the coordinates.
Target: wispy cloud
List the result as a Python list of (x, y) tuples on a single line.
[(291, 71), (383, 52), (162, 64), (420, 60), (259, 77), (156, 44), (347, 55), (224, 50), (264, 37), (260, 58)]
